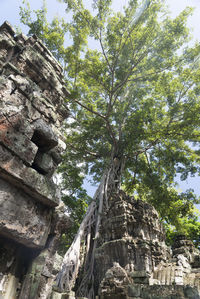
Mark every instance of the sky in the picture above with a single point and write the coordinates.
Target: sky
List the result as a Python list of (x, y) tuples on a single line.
[(9, 10)]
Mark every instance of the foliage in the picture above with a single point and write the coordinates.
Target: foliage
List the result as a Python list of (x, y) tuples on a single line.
[(189, 227), (52, 34), (77, 207), (135, 96)]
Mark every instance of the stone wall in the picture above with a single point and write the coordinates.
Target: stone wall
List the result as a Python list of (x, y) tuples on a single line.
[(32, 109), (133, 261)]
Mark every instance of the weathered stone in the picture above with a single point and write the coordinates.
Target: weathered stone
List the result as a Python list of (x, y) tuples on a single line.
[(44, 107), (56, 154), (42, 271), (14, 260), (191, 293), (115, 283), (44, 136), (32, 96), (139, 243), (134, 291), (21, 219), (131, 236), (70, 295), (56, 295), (12, 139), (33, 183), (7, 28), (140, 274), (57, 263), (44, 163)]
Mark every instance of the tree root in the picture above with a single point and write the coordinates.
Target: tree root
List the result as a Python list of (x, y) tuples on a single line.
[(81, 254)]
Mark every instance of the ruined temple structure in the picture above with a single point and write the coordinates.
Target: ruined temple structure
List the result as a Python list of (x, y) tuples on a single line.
[(32, 109), (132, 260)]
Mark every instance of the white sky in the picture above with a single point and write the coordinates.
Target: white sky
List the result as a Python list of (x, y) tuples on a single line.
[(9, 10)]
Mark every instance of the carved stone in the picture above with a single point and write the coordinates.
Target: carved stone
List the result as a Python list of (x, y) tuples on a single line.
[(133, 261), (32, 109)]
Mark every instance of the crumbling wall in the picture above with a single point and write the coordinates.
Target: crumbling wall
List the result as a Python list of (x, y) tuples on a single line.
[(32, 109), (132, 260)]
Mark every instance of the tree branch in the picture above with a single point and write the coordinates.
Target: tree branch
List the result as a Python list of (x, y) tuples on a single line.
[(103, 51), (112, 135), (98, 80), (90, 110)]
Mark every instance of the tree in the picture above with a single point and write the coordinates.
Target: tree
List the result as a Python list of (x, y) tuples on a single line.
[(134, 115)]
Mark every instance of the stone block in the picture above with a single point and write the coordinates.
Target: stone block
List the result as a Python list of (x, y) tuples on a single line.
[(8, 286), (44, 136), (141, 280), (179, 271), (69, 295), (44, 163), (57, 263), (44, 107), (178, 280), (21, 219), (191, 292), (18, 143), (153, 281), (7, 28), (140, 274), (56, 153), (23, 84), (134, 291), (56, 295), (33, 183)]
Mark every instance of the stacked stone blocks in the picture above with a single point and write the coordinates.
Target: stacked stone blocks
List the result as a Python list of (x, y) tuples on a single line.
[(32, 110)]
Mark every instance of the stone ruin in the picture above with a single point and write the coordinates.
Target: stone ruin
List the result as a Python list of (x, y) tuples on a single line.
[(132, 260), (32, 110)]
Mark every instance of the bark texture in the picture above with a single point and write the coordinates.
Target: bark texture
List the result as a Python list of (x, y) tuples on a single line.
[(79, 261)]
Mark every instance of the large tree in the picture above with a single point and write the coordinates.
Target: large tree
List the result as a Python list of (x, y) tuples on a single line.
[(134, 114)]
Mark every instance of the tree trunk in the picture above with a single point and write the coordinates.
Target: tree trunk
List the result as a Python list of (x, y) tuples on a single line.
[(79, 259)]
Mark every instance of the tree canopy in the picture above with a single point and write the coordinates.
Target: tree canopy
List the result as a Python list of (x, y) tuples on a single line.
[(135, 93), (135, 99)]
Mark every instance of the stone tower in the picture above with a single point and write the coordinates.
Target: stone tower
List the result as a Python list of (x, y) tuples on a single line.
[(32, 109)]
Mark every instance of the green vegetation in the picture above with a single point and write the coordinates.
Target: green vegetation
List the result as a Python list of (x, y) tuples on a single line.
[(135, 103)]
